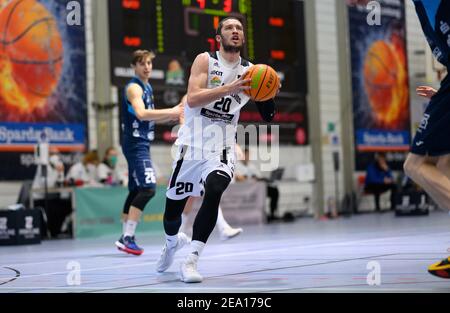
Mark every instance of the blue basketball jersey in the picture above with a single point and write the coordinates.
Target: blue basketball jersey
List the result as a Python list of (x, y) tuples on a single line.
[(434, 16), (134, 129)]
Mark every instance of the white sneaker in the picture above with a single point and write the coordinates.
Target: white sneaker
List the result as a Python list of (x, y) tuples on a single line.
[(188, 270), (168, 254), (229, 232)]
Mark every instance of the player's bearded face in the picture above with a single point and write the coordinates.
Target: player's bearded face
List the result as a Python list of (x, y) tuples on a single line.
[(231, 45), (232, 36)]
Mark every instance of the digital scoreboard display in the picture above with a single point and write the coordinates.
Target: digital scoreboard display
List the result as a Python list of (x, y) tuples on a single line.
[(178, 30)]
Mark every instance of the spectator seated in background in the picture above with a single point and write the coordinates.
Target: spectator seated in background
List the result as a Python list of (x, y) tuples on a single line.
[(245, 170), (55, 173), (85, 171), (106, 171), (379, 179)]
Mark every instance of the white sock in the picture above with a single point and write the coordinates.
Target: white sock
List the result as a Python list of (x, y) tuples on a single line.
[(171, 241), (196, 247), (124, 227), (130, 228), (221, 222)]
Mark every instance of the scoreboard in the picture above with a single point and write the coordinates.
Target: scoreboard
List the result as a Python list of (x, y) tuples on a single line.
[(178, 30)]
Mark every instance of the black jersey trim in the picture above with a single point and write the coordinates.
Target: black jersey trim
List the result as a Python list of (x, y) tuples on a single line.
[(244, 62), (173, 180), (224, 156), (213, 55)]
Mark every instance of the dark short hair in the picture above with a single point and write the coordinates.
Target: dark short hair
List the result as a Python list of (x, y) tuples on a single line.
[(108, 151), (219, 28), (140, 55)]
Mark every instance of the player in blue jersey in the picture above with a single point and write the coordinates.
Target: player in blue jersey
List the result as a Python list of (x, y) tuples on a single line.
[(428, 162), (138, 123)]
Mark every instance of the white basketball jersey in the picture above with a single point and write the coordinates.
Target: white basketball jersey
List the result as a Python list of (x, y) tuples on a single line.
[(213, 126)]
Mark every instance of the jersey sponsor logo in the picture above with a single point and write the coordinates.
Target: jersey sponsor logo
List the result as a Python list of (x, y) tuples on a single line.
[(216, 73), (135, 128), (216, 81), (419, 143), (445, 28), (424, 123), (216, 116), (437, 53), (236, 98), (216, 64)]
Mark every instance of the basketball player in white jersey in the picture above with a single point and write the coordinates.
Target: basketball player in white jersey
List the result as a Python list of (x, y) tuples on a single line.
[(206, 144), (226, 231)]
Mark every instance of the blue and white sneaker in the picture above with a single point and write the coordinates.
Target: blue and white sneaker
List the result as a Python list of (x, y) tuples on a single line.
[(128, 245)]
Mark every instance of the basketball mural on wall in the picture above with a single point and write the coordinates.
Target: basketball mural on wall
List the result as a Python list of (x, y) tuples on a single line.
[(31, 56), (380, 86), (43, 83), (386, 82)]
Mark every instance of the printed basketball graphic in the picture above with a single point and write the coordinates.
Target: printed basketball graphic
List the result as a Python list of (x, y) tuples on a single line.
[(385, 82), (31, 55)]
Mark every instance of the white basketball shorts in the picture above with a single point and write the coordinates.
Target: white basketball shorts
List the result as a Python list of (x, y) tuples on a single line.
[(191, 168)]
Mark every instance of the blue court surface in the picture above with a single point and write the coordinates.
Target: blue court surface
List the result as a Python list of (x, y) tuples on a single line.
[(364, 253)]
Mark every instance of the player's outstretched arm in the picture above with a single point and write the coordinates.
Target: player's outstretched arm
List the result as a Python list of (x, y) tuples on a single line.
[(198, 93), (134, 94), (426, 91), (179, 120)]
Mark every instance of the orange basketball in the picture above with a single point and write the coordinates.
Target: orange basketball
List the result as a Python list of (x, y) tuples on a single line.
[(30, 39), (265, 82)]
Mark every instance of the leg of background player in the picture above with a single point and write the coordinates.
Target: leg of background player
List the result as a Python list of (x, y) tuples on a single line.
[(430, 177)]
